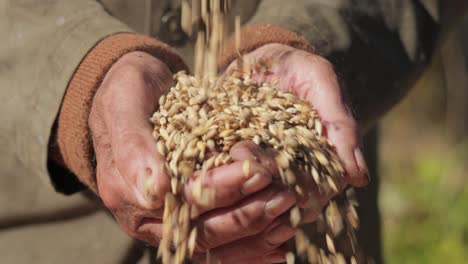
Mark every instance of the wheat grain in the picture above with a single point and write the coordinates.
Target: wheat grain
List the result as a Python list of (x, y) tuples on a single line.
[(203, 116)]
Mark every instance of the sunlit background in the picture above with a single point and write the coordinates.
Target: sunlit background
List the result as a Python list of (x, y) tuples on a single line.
[(424, 164)]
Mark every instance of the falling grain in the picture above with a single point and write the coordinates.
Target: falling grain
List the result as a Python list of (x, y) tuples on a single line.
[(246, 168), (202, 117)]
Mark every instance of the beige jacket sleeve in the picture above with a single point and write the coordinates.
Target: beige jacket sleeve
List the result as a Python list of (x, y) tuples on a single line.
[(53, 56), (379, 48), (42, 45)]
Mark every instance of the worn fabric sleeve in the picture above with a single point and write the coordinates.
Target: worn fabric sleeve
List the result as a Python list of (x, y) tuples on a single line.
[(42, 46), (377, 47)]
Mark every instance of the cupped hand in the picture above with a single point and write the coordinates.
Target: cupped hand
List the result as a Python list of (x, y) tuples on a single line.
[(248, 222), (312, 77), (132, 181), (126, 154)]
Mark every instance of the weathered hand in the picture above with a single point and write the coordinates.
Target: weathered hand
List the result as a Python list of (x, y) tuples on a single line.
[(312, 78), (248, 223), (126, 153), (246, 208)]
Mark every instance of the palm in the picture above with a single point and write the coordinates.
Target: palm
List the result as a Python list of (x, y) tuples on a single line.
[(313, 78)]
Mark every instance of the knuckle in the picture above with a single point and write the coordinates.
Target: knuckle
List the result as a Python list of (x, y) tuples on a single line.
[(250, 223), (267, 246)]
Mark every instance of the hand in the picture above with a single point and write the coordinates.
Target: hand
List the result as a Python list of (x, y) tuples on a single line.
[(249, 222), (125, 148), (312, 78), (127, 157)]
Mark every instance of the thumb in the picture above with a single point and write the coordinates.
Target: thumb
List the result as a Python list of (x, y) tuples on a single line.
[(344, 136), (141, 166), (134, 150), (323, 92)]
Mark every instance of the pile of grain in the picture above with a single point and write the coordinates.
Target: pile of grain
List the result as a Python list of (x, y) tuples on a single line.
[(203, 116), (193, 121)]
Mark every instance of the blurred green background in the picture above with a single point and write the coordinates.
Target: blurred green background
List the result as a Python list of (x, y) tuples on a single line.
[(424, 164)]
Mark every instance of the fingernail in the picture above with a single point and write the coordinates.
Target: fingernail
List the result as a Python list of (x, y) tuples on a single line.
[(280, 203), (280, 234), (361, 163), (275, 258), (254, 184)]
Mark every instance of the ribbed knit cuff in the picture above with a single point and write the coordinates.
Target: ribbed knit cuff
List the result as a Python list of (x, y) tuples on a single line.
[(73, 134), (255, 36)]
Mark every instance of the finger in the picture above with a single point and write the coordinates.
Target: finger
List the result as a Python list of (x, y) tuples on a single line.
[(248, 218), (139, 162), (251, 172), (249, 150), (230, 182), (121, 200), (343, 135), (264, 247), (255, 250), (150, 230), (274, 257), (322, 90)]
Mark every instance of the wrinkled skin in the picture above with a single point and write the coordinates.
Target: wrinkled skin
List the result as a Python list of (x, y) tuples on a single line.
[(311, 77), (247, 223)]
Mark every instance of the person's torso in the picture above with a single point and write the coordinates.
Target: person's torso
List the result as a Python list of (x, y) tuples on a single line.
[(161, 19)]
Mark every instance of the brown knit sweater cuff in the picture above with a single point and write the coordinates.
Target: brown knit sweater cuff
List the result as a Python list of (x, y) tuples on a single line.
[(255, 36), (73, 134)]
